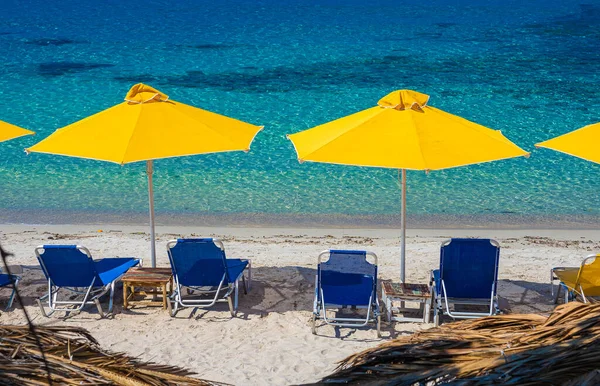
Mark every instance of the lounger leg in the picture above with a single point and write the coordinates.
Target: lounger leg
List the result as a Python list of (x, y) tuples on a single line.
[(249, 275), (245, 285), (12, 295), (437, 308), (176, 296), (112, 295), (237, 290), (388, 308), (173, 310), (169, 307), (97, 302), (39, 302), (566, 295), (315, 309), (378, 326), (557, 294), (427, 311), (231, 309), (49, 296), (10, 300)]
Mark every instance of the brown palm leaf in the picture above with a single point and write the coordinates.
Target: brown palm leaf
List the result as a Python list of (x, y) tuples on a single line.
[(507, 349), (75, 358)]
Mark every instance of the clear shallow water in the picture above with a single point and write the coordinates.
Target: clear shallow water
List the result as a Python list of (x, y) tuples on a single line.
[(526, 68)]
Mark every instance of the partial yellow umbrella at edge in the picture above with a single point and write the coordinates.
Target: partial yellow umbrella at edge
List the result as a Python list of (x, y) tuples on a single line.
[(582, 143), (8, 131), (148, 126), (403, 132)]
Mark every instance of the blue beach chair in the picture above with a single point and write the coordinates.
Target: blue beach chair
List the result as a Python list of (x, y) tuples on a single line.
[(71, 268), (201, 267), (346, 279), (9, 281), (468, 275)]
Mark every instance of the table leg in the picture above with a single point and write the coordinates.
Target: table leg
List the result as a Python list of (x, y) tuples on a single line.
[(125, 296), (164, 290)]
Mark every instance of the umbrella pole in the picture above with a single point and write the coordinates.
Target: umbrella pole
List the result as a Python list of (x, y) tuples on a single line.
[(151, 201), (403, 229)]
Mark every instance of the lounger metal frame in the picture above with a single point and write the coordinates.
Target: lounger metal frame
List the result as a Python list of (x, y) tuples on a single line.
[(319, 304), (232, 287), (443, 300), (570, 293), (90, 295)]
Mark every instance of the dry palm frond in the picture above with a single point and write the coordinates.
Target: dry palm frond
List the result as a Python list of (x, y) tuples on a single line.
[(75, 358), (509, 349)]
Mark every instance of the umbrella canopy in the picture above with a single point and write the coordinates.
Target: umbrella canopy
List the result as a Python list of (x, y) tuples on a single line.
[(148, 126), (403, 132), (582, 143), (8, 131)]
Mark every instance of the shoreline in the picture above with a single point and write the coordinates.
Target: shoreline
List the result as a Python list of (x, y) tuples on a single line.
[(325, 232), (506, 221)]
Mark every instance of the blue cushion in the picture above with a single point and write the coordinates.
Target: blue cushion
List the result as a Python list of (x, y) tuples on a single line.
[(68, 266), (468, 268), (197, 262), (200, 262), (346, 289)]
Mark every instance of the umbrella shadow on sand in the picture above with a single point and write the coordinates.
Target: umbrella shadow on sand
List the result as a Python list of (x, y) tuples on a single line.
[(520, 296), (273, 289), (292, 288), (280, 290)]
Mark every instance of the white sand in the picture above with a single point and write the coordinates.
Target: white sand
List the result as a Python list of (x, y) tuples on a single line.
[(270, 342)]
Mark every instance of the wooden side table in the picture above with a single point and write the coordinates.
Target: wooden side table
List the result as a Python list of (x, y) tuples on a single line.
[(405, 292), (140, 277)]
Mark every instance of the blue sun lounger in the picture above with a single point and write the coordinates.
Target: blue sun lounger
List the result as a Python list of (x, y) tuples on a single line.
[(468, 275), (345, 280), (200, 265), (9, 281), (71, 268)]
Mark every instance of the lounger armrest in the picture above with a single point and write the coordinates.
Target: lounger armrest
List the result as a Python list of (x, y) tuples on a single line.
[(563, 268)]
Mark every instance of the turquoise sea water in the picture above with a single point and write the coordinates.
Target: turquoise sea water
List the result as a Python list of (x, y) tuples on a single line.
[(529, 69)]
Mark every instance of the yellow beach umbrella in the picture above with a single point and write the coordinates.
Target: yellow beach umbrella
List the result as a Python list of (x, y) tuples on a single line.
[(8, 131), (403, 132), (148, 126), (582, 143)]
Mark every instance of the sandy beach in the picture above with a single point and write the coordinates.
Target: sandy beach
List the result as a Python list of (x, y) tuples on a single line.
[(270, 341)]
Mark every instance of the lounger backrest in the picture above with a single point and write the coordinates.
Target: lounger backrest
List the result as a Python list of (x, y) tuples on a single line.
[(469, 267), (347, 267), (66, 265), (589, 276), (198, 262)]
